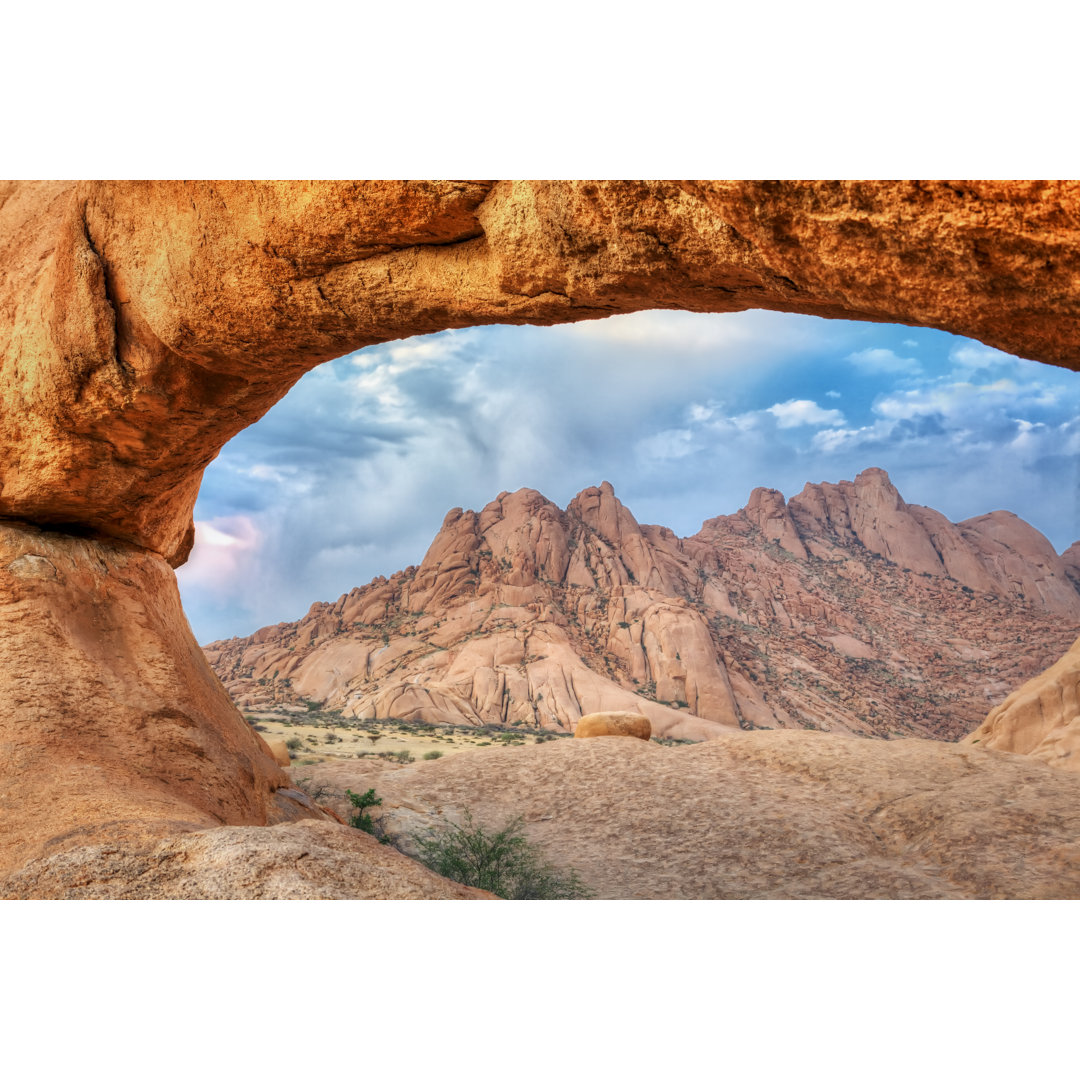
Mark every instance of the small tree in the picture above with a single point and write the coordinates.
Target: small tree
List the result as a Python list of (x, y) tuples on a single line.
[(361, 820), (503, 862)]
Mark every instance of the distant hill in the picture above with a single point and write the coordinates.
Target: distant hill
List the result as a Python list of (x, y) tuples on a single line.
[(843, 609)]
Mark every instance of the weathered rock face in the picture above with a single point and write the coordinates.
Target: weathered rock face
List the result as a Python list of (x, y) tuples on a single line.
[(303, 860), (843, 610), (1041, 718), (111, 721), (144, 324), (997, 553)]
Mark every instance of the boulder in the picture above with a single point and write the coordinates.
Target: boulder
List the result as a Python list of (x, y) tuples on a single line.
[(629, 724), (280, 752)]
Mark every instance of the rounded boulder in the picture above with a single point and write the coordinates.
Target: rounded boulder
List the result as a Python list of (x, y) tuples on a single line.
[(280, 751), (629, 724)]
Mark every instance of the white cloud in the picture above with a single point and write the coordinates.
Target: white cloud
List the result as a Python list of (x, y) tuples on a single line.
[(953, 399), (972, 355), (882, 361), (667, 445), (659, 332), (796, 413), (836, 440)]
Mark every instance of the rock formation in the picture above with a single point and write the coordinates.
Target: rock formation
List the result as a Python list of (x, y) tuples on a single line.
[(845, 609), (302, 860), (1041, 718), (142, 324), (618, 724), (111, 715)]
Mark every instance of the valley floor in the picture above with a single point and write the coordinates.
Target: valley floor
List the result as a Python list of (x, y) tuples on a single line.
[(766, 815)]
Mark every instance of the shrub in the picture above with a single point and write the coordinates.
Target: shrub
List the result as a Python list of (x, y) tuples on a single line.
[(317, 791), (295, 743), (503, 862), (361, 820), (431, 755)]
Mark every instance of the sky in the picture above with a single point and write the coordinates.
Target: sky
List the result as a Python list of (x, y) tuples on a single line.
[(351, 474)]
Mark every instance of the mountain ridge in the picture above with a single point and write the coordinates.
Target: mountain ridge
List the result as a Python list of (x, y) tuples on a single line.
[(842, 609)]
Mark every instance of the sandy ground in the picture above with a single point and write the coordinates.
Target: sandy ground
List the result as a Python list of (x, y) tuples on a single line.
[(327, 737), (767, 814)]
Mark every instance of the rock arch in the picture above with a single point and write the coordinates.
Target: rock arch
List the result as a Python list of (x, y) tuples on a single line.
[(144, 324)]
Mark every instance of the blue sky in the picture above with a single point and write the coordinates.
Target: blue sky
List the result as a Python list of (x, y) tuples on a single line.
[(351, 474)]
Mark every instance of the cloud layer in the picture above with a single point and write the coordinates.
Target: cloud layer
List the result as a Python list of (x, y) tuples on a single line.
[(351, 474)]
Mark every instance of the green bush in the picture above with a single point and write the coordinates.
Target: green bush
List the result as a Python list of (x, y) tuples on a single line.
[(361, 820), (295, 743), (432, 755), (503, 862)]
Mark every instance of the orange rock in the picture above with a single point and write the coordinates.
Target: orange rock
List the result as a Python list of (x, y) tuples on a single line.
[(1041, 719), (279, 751), (143, 324), (629, 724), (112, 721)]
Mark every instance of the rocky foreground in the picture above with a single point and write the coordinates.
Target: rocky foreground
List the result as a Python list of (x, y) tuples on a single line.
[(747, 815), (844, 609)]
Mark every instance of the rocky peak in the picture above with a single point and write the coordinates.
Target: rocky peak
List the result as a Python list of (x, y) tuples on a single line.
[(1070, 559), (805, 613), (601, 511), (1022, 561), (767, 511)]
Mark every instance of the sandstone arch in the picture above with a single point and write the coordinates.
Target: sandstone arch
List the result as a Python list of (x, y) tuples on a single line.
[(143, 324)]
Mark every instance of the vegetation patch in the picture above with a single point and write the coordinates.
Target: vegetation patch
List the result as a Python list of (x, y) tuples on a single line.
[(503, 862)]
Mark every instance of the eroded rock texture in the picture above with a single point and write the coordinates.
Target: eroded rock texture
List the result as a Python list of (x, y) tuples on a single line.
[(303, 860), (1041, 718), (111, 721), (143, 324)]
